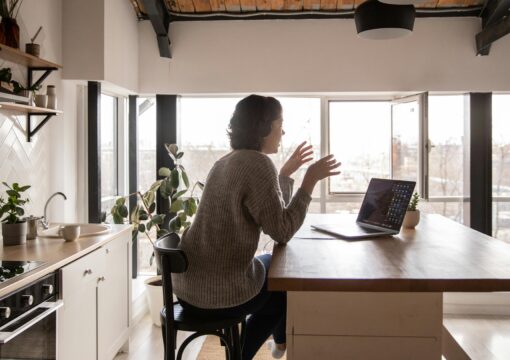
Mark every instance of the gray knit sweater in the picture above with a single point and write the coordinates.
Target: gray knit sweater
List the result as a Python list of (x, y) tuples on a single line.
[(242, 196)]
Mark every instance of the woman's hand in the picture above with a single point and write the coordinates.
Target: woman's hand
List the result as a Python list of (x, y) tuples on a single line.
[(321, 169), (299, 157)]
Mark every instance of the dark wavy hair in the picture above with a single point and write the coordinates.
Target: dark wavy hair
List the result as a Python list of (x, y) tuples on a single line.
[(251, 121)]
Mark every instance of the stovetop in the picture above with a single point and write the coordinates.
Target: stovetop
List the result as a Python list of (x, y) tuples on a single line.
[(11, 269)]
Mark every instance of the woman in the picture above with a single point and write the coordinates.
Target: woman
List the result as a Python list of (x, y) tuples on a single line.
[(244, 194)]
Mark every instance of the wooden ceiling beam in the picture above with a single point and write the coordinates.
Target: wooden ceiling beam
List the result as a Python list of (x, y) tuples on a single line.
[(495, 18), (160, 20), (491, 33)]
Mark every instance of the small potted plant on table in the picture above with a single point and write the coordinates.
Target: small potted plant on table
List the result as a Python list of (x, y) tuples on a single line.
[(412, 217), (14, 229)]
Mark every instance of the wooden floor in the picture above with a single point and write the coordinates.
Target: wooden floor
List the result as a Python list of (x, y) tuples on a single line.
[(483, 338)]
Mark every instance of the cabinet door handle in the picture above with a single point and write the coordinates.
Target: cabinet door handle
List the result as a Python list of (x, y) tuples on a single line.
[(87, 272), (101, 278), (107, 250)]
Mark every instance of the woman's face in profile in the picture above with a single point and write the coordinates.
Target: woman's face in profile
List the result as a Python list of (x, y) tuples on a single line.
[(272, 141)]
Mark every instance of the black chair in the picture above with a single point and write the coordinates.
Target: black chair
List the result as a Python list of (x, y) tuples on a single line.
[(170, 259)]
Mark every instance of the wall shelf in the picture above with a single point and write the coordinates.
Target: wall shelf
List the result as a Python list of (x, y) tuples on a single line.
[(31, 111), (33, 64)]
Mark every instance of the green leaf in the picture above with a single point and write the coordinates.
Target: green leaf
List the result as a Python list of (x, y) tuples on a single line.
[(175, 178), (149, 225), (185, 178), (141, 228), (158, 219), (15, 186), (164, 171), (120, 201), (193, 206), (162, 232), (176, 206), (20, 211), (152, 207), (178, 194), (12, 193), (143, 217), (123, 211), (3, 182), (117, 219), (183, 217), (200, 185), (179, 155), (24, 188)]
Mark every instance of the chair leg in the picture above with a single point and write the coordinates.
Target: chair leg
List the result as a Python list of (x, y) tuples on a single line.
[(243, 333), (169, 342), (236, 342)]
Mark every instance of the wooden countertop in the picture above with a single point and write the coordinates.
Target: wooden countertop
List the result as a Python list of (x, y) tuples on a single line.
[(440, 255), (54, 252)]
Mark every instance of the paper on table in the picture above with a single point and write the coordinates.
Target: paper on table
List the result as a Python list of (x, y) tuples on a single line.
[(306, 232)]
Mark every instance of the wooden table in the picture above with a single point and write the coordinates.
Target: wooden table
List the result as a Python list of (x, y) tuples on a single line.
[(381, 298)]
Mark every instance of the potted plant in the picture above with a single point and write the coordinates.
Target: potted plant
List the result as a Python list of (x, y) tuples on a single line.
[(14, 228), (28, 92), (9, 29), (412, 217), (174, 187)]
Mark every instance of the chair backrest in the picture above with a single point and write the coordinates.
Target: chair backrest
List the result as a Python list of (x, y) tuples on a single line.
[(170, 260)]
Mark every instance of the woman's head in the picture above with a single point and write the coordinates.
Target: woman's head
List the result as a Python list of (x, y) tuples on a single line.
[(256, 124)]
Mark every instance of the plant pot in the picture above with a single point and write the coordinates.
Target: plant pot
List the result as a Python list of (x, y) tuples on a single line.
[(33, 49), (14, 234), (411, 219), (9, 32), (154, 294)]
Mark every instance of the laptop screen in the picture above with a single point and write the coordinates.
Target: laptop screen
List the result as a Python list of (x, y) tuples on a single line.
[(385, 203)]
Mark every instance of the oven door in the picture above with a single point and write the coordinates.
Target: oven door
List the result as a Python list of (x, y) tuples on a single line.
[(31, 335)]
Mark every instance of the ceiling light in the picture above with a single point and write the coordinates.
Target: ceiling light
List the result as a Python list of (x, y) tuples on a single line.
[(378, 21)]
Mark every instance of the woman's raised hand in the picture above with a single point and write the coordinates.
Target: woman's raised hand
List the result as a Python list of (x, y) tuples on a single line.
[(321, 169), (300, 156)]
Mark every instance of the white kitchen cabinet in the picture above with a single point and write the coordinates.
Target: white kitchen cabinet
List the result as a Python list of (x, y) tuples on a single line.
[(94, 321)]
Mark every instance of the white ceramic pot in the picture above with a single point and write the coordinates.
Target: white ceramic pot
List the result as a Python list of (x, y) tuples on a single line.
[(154, 295), (411, 219)]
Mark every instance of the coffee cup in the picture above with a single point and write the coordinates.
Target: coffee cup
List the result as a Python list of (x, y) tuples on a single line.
[(69, 232)]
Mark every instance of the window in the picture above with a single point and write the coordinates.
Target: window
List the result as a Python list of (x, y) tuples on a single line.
[(146, 171), (109, 152), (448, 163), (501, 166), (212, 116)]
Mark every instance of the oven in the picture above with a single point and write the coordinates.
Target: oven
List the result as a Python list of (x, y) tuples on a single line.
[(28, 321)]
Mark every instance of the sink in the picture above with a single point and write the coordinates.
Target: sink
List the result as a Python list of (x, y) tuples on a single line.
[(85, 230)]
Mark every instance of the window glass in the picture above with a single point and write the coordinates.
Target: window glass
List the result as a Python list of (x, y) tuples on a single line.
[(405, 140), (146, 172), (501, 165), (448, 146), (359, 137), (109, 158)]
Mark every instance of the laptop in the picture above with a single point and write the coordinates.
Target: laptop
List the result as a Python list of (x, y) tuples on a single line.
[(381, 213)]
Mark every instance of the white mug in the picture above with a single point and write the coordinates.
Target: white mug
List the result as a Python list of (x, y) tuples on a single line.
[(69, 232)]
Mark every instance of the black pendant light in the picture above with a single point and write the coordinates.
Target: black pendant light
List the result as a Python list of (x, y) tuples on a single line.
[(378, 21)]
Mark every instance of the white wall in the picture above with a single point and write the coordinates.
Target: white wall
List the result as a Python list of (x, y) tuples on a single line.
[(83, 39), (319, 56), (121, 44), (47, 162)]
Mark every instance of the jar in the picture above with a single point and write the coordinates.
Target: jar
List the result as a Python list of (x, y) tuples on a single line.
[(52, 97)]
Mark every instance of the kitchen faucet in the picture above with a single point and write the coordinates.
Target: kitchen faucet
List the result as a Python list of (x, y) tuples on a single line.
[(44, 220)]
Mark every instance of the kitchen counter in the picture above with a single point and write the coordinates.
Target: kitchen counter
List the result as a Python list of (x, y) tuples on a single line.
[(56, 253)]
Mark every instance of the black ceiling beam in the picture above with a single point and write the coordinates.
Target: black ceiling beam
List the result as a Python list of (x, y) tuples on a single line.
[(493, 24), (491, 33), (158, 15)]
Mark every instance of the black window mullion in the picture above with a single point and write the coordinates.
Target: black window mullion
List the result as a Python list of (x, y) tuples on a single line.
[(94, 151)]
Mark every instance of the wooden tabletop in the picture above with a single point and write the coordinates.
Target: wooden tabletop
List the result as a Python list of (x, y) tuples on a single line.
[(440, 255)]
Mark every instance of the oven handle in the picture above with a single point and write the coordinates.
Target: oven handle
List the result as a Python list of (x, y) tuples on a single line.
[(50, 307)]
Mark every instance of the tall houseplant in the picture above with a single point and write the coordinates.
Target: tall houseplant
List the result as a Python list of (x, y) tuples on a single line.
[(14, 228), (9, 29), (174, 188)]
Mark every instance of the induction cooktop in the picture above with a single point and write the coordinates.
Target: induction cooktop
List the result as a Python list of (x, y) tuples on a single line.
[(11, 269)]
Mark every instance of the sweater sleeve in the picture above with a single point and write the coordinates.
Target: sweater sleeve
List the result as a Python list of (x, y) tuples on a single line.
[(286, 185), (266, 205)]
